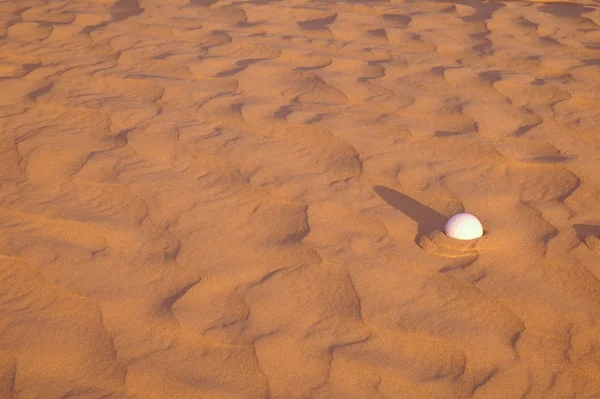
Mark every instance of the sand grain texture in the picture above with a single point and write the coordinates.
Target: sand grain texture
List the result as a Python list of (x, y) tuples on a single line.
[(245, 199)]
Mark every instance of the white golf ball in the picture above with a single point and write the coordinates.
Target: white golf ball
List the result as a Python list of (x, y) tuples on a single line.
[(464, 226)]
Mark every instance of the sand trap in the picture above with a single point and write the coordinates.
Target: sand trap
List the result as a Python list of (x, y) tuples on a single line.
[(246, 199)]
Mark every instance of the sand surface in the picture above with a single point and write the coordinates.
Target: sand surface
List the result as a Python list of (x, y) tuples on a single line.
[(244, 199)]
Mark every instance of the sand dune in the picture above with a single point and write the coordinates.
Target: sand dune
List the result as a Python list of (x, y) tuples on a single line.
[(245, 199)]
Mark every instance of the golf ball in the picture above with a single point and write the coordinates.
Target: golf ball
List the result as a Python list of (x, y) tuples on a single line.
[(464, 226)]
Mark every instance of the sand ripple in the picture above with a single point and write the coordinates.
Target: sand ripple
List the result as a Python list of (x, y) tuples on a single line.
[(246, 199)]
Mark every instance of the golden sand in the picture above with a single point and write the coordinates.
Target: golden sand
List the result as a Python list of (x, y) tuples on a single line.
[(244, 199)]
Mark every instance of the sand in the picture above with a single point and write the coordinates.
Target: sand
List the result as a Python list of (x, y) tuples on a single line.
[(245, 199)]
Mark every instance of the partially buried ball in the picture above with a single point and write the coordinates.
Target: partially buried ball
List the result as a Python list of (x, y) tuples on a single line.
[(464, 226)]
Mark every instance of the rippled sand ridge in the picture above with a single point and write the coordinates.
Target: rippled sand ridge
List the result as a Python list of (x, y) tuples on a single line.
[(214, 199)]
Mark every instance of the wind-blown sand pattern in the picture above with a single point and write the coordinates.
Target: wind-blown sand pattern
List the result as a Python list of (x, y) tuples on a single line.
[(244, 199)]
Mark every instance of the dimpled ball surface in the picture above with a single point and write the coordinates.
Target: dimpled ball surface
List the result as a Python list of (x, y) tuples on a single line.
[(464, 226)]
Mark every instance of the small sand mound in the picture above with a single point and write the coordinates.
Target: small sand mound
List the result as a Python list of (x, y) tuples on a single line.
[(438, 243)]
